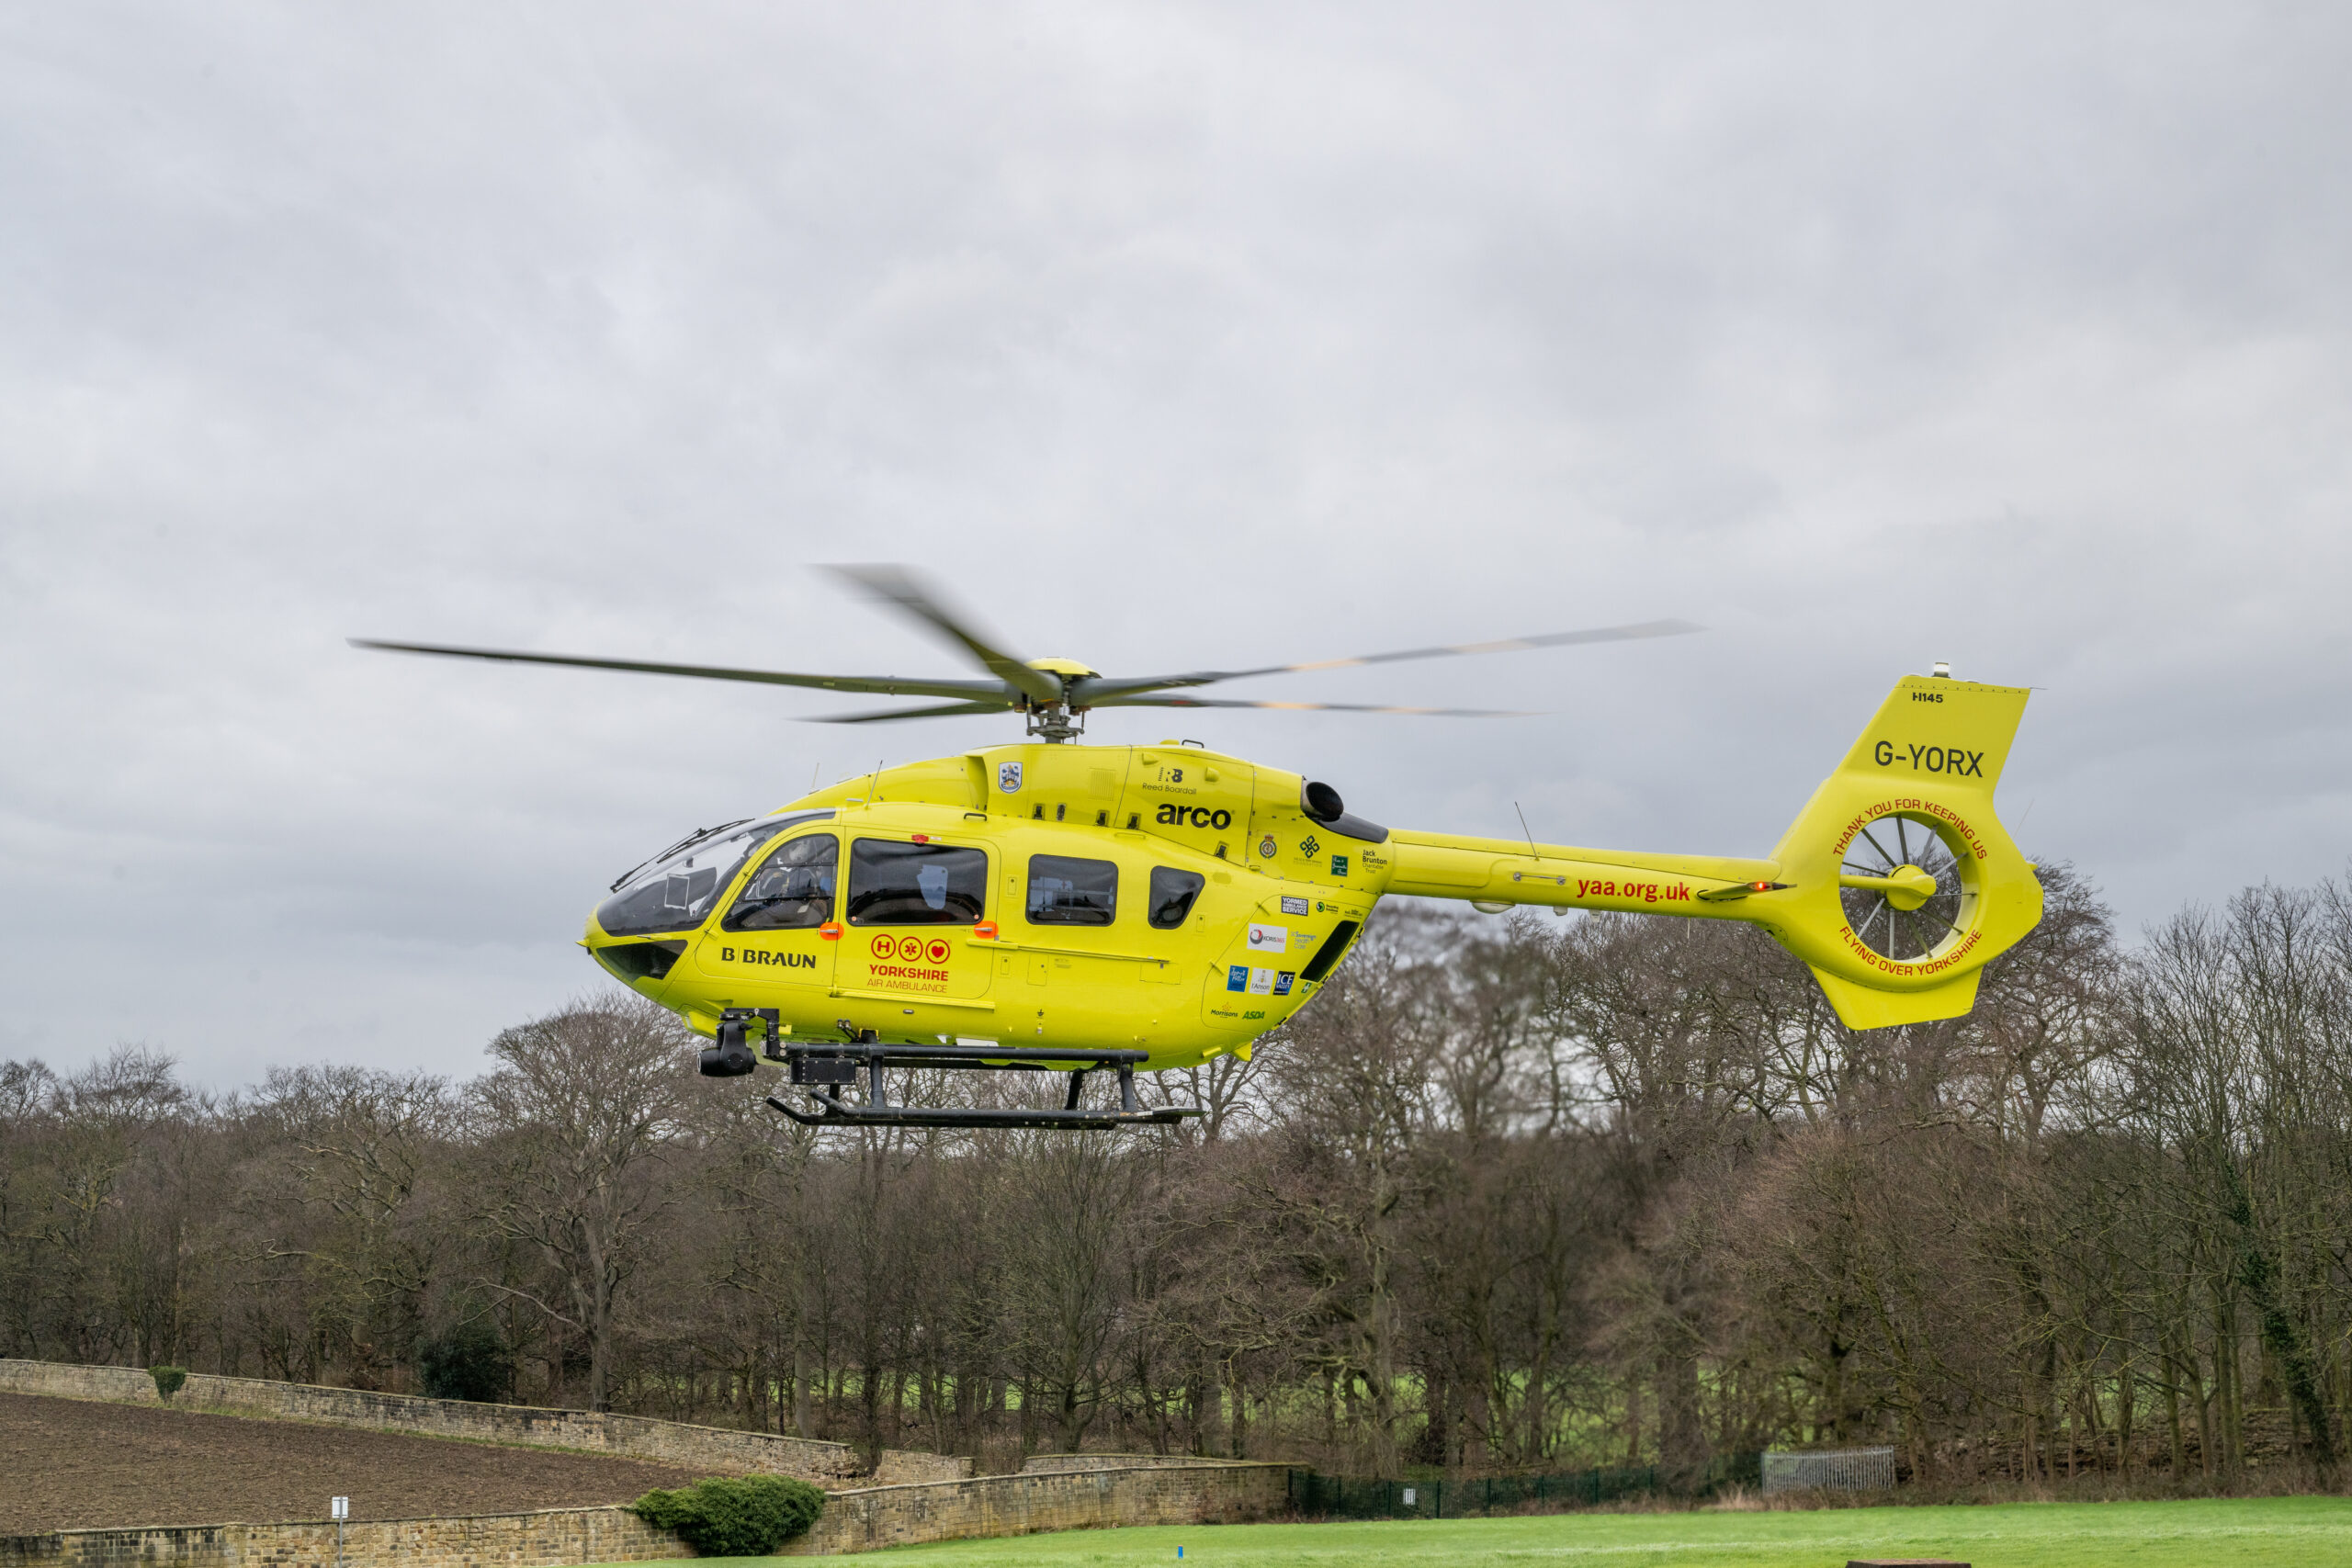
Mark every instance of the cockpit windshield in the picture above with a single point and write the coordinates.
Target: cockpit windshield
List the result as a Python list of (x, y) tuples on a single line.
[(675, 893)]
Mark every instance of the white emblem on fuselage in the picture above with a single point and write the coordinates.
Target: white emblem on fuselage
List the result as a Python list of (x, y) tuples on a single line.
[(1269, 939), (1008, 777)]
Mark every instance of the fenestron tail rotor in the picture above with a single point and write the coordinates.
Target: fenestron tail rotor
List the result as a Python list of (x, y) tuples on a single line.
[(1052, 695), (1901, 888)]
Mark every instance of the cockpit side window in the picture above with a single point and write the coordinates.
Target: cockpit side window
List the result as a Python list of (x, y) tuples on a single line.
[(896, 884), (792, 889), (676, 894)]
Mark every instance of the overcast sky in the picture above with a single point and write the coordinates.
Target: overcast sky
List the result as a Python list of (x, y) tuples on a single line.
[(1171, 335)]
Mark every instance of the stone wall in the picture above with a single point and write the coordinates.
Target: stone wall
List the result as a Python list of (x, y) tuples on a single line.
[(715, 1449), (491, 1541), (1213, 1493), (939, 1499), (1047, 1464), (906, 1467)]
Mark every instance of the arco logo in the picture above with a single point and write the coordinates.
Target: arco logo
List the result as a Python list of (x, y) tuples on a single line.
[(1174, 815)]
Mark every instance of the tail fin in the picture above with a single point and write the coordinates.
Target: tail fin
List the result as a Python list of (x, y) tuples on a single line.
[(1902, 884)]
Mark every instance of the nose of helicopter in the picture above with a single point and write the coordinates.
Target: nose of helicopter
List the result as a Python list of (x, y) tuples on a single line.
[(634, 962), (639, 930)]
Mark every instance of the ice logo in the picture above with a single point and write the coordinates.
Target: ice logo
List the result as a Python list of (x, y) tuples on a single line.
[(1008, 777)]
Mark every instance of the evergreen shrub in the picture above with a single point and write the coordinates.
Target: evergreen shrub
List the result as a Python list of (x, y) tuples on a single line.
[(470, 1361), (748, 1516)]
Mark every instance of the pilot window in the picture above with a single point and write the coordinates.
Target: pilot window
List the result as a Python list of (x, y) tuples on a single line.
[(793, 891), (676, 891), (1066, 892), (1172, 892), (895, 883)]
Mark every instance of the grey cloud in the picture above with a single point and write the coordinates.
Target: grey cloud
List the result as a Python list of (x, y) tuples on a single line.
[(1171, 335)]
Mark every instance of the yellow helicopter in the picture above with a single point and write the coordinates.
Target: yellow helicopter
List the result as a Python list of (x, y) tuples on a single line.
[(1054, 906)]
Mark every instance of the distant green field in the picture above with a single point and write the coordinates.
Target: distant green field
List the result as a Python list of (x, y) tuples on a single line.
[(2274, 1532)]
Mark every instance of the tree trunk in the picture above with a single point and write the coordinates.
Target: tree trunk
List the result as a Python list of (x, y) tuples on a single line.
[(800, 1424), (2284, 1340), (2172, 1416), (1238, 1447), (2225, 1384), (1681, 1441), (2127, 1391), (1632, 1418)]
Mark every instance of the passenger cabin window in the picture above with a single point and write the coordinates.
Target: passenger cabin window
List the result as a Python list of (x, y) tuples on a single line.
[(1066, 892), (895, 883), (1172, 892), (792, 891)]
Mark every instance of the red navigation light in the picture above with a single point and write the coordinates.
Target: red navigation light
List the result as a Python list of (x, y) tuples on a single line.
[(922, 838)]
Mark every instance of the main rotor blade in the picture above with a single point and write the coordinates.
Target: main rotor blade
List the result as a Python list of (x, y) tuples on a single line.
[(888, 685), (883, 715), (897, 586), (1095, 692), (1145, 701)]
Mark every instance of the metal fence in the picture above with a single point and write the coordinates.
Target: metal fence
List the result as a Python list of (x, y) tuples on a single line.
[(1360, 1497), (1840, 1469)]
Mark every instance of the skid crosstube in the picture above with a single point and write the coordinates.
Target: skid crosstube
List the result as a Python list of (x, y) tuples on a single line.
[(824, 1070)]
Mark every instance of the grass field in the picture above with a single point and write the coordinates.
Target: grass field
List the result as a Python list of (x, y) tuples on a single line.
[(2273, 1532)]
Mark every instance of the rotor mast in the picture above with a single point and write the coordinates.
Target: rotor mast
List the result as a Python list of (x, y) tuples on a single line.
[(1055, 723)]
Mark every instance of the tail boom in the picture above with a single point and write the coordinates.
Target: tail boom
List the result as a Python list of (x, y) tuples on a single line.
[(1442, 865), (1930, 916)]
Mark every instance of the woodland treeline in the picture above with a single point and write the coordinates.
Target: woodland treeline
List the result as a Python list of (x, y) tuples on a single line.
[(1512, 1193)]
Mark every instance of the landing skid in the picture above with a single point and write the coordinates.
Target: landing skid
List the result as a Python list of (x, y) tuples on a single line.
[(824, 1070)]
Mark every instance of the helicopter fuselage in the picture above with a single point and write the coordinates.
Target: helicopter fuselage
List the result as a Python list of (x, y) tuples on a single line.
[(1163, 898), (1158, 905)]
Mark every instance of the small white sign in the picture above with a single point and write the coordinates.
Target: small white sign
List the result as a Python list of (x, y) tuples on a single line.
[(342, 1508), (1262, 981), (1409, 1496), (1269, 939), (1008, 777)]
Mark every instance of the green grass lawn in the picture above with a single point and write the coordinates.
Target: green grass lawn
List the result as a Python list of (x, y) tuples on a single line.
[(2203, 1534)]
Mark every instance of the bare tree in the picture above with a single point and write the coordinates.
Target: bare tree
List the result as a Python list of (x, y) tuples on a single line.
[(575, 1124)]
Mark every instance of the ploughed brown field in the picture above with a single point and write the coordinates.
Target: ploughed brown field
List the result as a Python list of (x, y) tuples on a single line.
[(74, 1464)]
